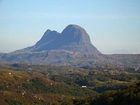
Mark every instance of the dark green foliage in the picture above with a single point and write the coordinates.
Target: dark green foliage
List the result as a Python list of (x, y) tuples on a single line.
[(35, 86), (11, 101), (109, 87), (4, 86), (129, 96), (82, 81), (40, 103)]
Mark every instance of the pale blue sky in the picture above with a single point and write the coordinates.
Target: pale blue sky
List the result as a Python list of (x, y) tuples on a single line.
[(113, 25)]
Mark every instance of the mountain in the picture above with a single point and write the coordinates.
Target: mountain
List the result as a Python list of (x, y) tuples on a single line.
[(70, 47), (73, 39)]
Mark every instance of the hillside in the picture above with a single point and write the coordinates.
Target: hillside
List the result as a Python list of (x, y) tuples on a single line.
[(41, 85)]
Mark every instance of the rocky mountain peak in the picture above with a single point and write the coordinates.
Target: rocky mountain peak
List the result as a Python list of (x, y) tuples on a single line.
[(73, 38), (48, 37), (75, 33)]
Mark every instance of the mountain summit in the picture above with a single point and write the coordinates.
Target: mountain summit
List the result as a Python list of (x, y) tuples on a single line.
[(73, 38)]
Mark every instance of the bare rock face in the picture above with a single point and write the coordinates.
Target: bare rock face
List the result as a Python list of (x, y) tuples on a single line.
[(76, 35), (73, 38), (47, 42)]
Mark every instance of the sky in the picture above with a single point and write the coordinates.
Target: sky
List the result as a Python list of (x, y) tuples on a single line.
[(113, 25)]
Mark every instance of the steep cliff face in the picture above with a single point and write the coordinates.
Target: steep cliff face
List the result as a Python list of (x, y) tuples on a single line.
[(73, 38)]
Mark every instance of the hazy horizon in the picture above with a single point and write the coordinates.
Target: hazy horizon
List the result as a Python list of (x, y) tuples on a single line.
[(113, 26)]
